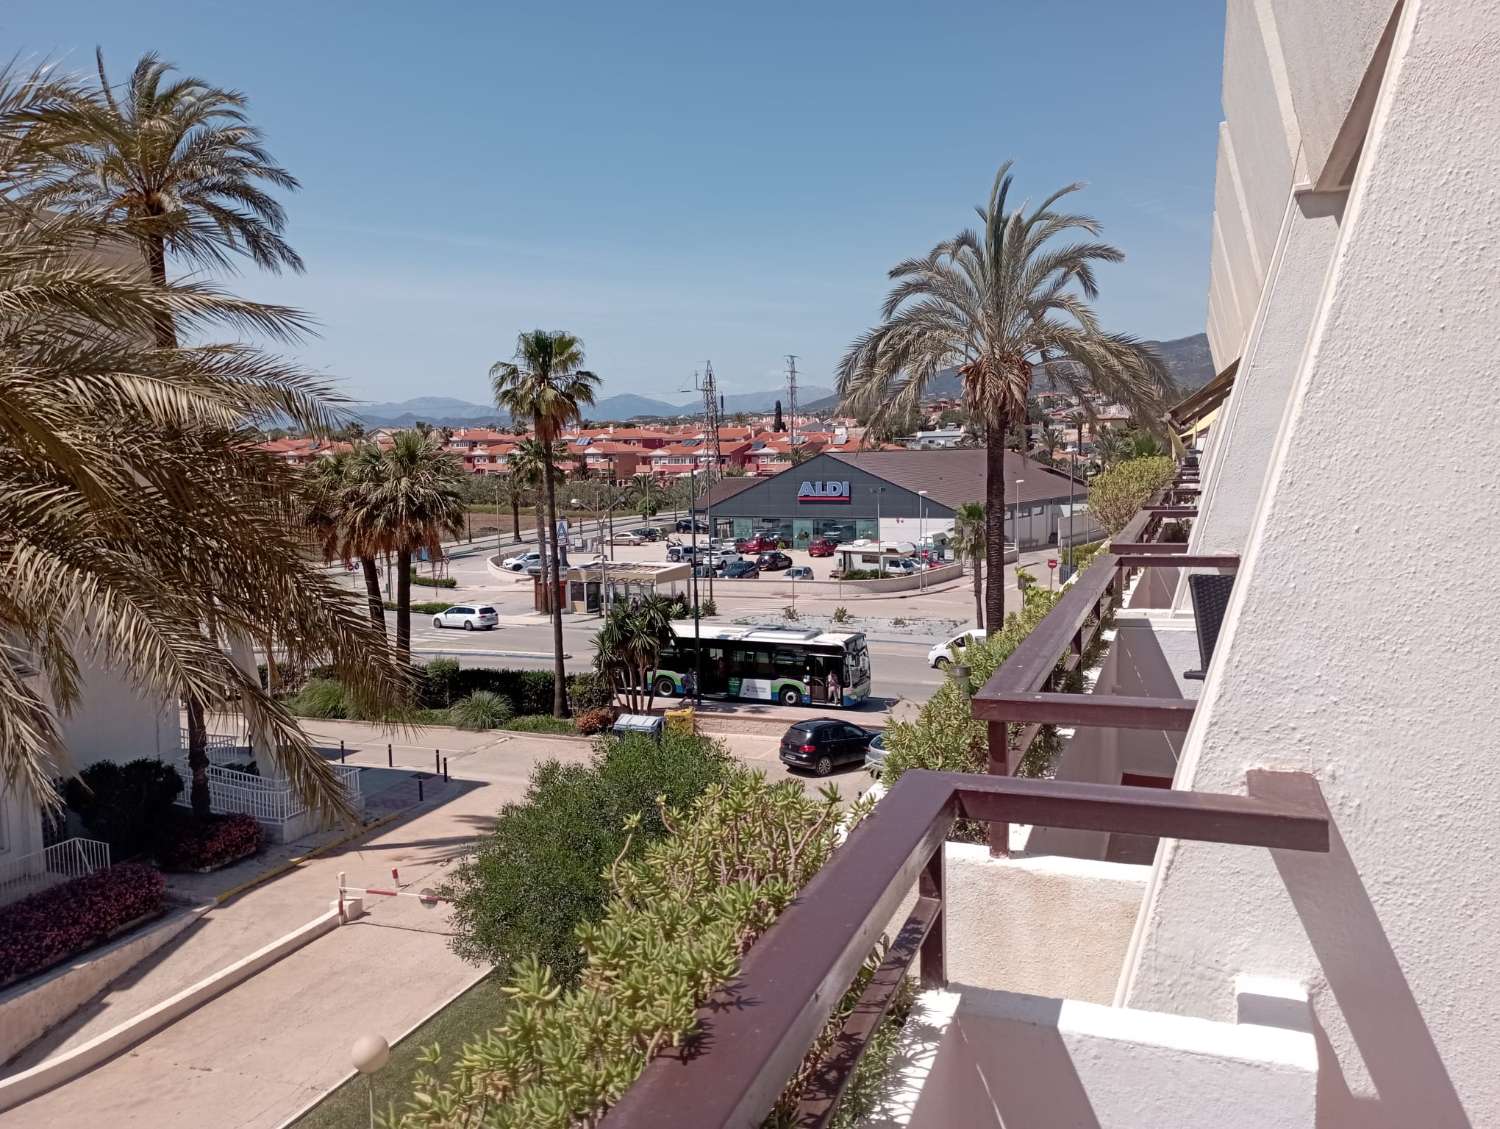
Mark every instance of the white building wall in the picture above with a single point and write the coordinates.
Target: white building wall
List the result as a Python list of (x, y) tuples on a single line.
[(1343, 655), (115, 721)]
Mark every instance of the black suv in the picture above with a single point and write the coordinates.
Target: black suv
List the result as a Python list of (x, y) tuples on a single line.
[(742, 570), (773, 561), (824, 742)]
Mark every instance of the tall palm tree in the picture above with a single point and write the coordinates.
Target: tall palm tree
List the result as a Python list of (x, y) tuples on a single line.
[(328, 489), (171, 163), (546, 383), (511, 491), (1111, 447), (530, 462), (1007, 304), (141, 526), (403, 499), (969, 544)]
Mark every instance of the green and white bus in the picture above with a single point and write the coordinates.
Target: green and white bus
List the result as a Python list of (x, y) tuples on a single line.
[(795, 666)]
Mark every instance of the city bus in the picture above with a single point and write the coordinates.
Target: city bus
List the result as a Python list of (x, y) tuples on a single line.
[(796, 666)]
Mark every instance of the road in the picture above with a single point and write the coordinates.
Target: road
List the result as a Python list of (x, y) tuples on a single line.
[(899, 670)]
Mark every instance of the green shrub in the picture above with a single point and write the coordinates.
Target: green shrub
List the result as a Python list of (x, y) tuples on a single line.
[(1115, 495), (841, 614), (1081, 556), (790, 614), (708, 607), (541, 870), (423, 607), (434, 582), (589, 722), (481, 710), (125, 805), (589, 690), (438, 685), (541, 723), (682, 912), (945, 737), (320, 697)]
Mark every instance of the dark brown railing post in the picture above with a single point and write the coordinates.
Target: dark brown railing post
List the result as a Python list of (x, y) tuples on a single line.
[(999, 742), (934, 954)]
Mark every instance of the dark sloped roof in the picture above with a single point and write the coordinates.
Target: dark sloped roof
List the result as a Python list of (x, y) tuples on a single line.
[(726, 488), (954, 476)]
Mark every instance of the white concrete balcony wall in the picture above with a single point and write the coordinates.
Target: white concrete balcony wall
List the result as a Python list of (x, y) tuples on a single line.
[(980, 1059), (1341, 655)]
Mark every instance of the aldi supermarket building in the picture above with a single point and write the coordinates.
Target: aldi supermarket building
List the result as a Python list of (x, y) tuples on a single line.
[(889, 495)]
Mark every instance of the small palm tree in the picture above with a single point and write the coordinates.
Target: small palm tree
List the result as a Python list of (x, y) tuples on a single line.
[(546, 383), (968, 542), (530, 462), (170, 162), (1006, 304), (401, 500), (327, 490), (1110, 447)]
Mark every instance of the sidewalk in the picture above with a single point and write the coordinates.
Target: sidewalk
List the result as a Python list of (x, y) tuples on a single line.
[(261, 1051)]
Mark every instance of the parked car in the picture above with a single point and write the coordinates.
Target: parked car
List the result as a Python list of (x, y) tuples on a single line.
[(875, 756), (522, 561), (822, 547), (742, 544), (741, 570), (941, 655), (646, 533), (799, 572), (468, 616), (822, 743), (627, 537), (704, 571), (901, 566), (773, 561), (725, 554), (763, 543), (677, 553), (685, 525)]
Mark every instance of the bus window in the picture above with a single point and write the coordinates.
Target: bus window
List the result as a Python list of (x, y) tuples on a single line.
[(790, 664)]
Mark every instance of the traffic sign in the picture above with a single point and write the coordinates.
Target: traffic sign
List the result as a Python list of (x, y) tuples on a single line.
[(1051, 562)]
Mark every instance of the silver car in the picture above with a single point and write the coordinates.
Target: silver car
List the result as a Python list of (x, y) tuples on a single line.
[(468, 616), (875, 756)]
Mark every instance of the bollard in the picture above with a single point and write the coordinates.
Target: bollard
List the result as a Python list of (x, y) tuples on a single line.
[(342, 754), (419, 789), (390, 759), (445, 770), (437, 762)]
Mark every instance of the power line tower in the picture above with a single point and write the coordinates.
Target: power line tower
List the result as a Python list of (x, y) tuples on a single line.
[(791, 394), (711, 412)]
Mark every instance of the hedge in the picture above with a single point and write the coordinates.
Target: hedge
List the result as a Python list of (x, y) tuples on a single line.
[(434, 581), (1117, 494), (681, 914), (189, 843), (442, 684), (541, 870), (46, 928), (124, 804)]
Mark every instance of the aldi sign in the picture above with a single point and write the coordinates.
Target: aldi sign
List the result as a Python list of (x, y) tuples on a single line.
[(836, 493)]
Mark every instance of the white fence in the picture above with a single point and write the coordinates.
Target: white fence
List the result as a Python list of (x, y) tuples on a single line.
[(72, 858), (271, 799)]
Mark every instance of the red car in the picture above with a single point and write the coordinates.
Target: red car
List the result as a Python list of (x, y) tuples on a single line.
[(822, 547), (764, 543)]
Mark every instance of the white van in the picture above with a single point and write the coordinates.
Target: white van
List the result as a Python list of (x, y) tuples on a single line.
[(942, 655)]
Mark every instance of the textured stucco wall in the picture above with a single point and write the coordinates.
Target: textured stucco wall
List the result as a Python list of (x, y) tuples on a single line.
[(1252, 418), (115, 721), (979, 1059), (1344, 656), (1054, 926)]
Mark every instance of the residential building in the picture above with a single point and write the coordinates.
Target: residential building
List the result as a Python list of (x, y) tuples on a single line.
[(1299, 931)]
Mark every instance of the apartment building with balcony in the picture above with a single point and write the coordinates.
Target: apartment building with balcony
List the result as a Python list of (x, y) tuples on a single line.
[(1260, 889)]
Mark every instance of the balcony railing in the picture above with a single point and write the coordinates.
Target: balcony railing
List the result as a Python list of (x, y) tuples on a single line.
[(755, 1031)]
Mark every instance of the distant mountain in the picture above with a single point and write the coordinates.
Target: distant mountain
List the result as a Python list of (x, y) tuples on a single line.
[(765, 401), (1186, 358), (627, 405), (440, 411)]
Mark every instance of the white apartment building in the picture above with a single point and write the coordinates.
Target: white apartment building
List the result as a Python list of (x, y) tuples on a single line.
[(1266, 895)]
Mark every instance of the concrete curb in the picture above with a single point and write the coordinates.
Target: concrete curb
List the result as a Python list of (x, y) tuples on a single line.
[(45, 1076)]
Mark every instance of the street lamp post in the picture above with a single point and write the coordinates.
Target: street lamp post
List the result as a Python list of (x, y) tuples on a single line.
[(877, 491), (922, 540), (1016, 525)]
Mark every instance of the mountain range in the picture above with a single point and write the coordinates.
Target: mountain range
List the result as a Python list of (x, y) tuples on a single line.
[(444, 411), (1186, 358)]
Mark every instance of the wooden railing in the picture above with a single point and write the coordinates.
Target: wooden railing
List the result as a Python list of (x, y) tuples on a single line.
[(753, 1033), (1025, 690)]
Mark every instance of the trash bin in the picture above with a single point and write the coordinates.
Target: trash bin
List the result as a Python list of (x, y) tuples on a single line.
[(682, 721), (646, 723)]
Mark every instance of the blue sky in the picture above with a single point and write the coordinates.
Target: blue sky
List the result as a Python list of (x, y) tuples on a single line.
[(677, 181)]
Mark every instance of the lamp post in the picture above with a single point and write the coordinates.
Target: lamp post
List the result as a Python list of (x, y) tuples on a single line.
[(921, 542), (1015, 522), (369, 1054), (697, 612), (877, 491)]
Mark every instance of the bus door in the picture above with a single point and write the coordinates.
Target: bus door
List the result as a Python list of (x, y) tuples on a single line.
[(715, 669)]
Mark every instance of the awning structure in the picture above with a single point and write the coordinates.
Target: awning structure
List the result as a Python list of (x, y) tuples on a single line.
[(1195, 413)]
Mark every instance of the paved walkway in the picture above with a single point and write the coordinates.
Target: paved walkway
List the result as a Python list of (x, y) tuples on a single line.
[(258, 1053)]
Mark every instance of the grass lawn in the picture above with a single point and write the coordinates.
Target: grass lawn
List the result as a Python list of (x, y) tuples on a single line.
[(347, 1107)]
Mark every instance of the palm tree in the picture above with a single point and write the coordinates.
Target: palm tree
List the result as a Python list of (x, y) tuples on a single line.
[(528, 465), (140, 523), (1007, 304), (1111, 447), (969, 544), (628, 647), (546, 383), (327, 490), (401, 500), (171, 163), (512, 491)]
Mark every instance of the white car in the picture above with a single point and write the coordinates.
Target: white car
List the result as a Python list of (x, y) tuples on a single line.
[(942, 655), (628, 537), (901, 566), (468, 616), (522, 562)]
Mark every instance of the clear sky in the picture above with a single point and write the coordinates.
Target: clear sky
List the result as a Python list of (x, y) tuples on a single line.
[(677, 181)]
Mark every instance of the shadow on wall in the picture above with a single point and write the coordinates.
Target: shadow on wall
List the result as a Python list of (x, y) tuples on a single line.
[(1372, 993)]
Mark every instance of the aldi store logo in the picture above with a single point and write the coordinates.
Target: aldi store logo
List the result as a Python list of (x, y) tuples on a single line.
[(835, 492)]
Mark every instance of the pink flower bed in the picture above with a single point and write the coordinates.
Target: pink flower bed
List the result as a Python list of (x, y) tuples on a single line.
[(39, 931), (192, 844)]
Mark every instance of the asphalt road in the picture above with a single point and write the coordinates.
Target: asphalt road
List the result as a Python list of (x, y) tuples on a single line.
[(899, 670)]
